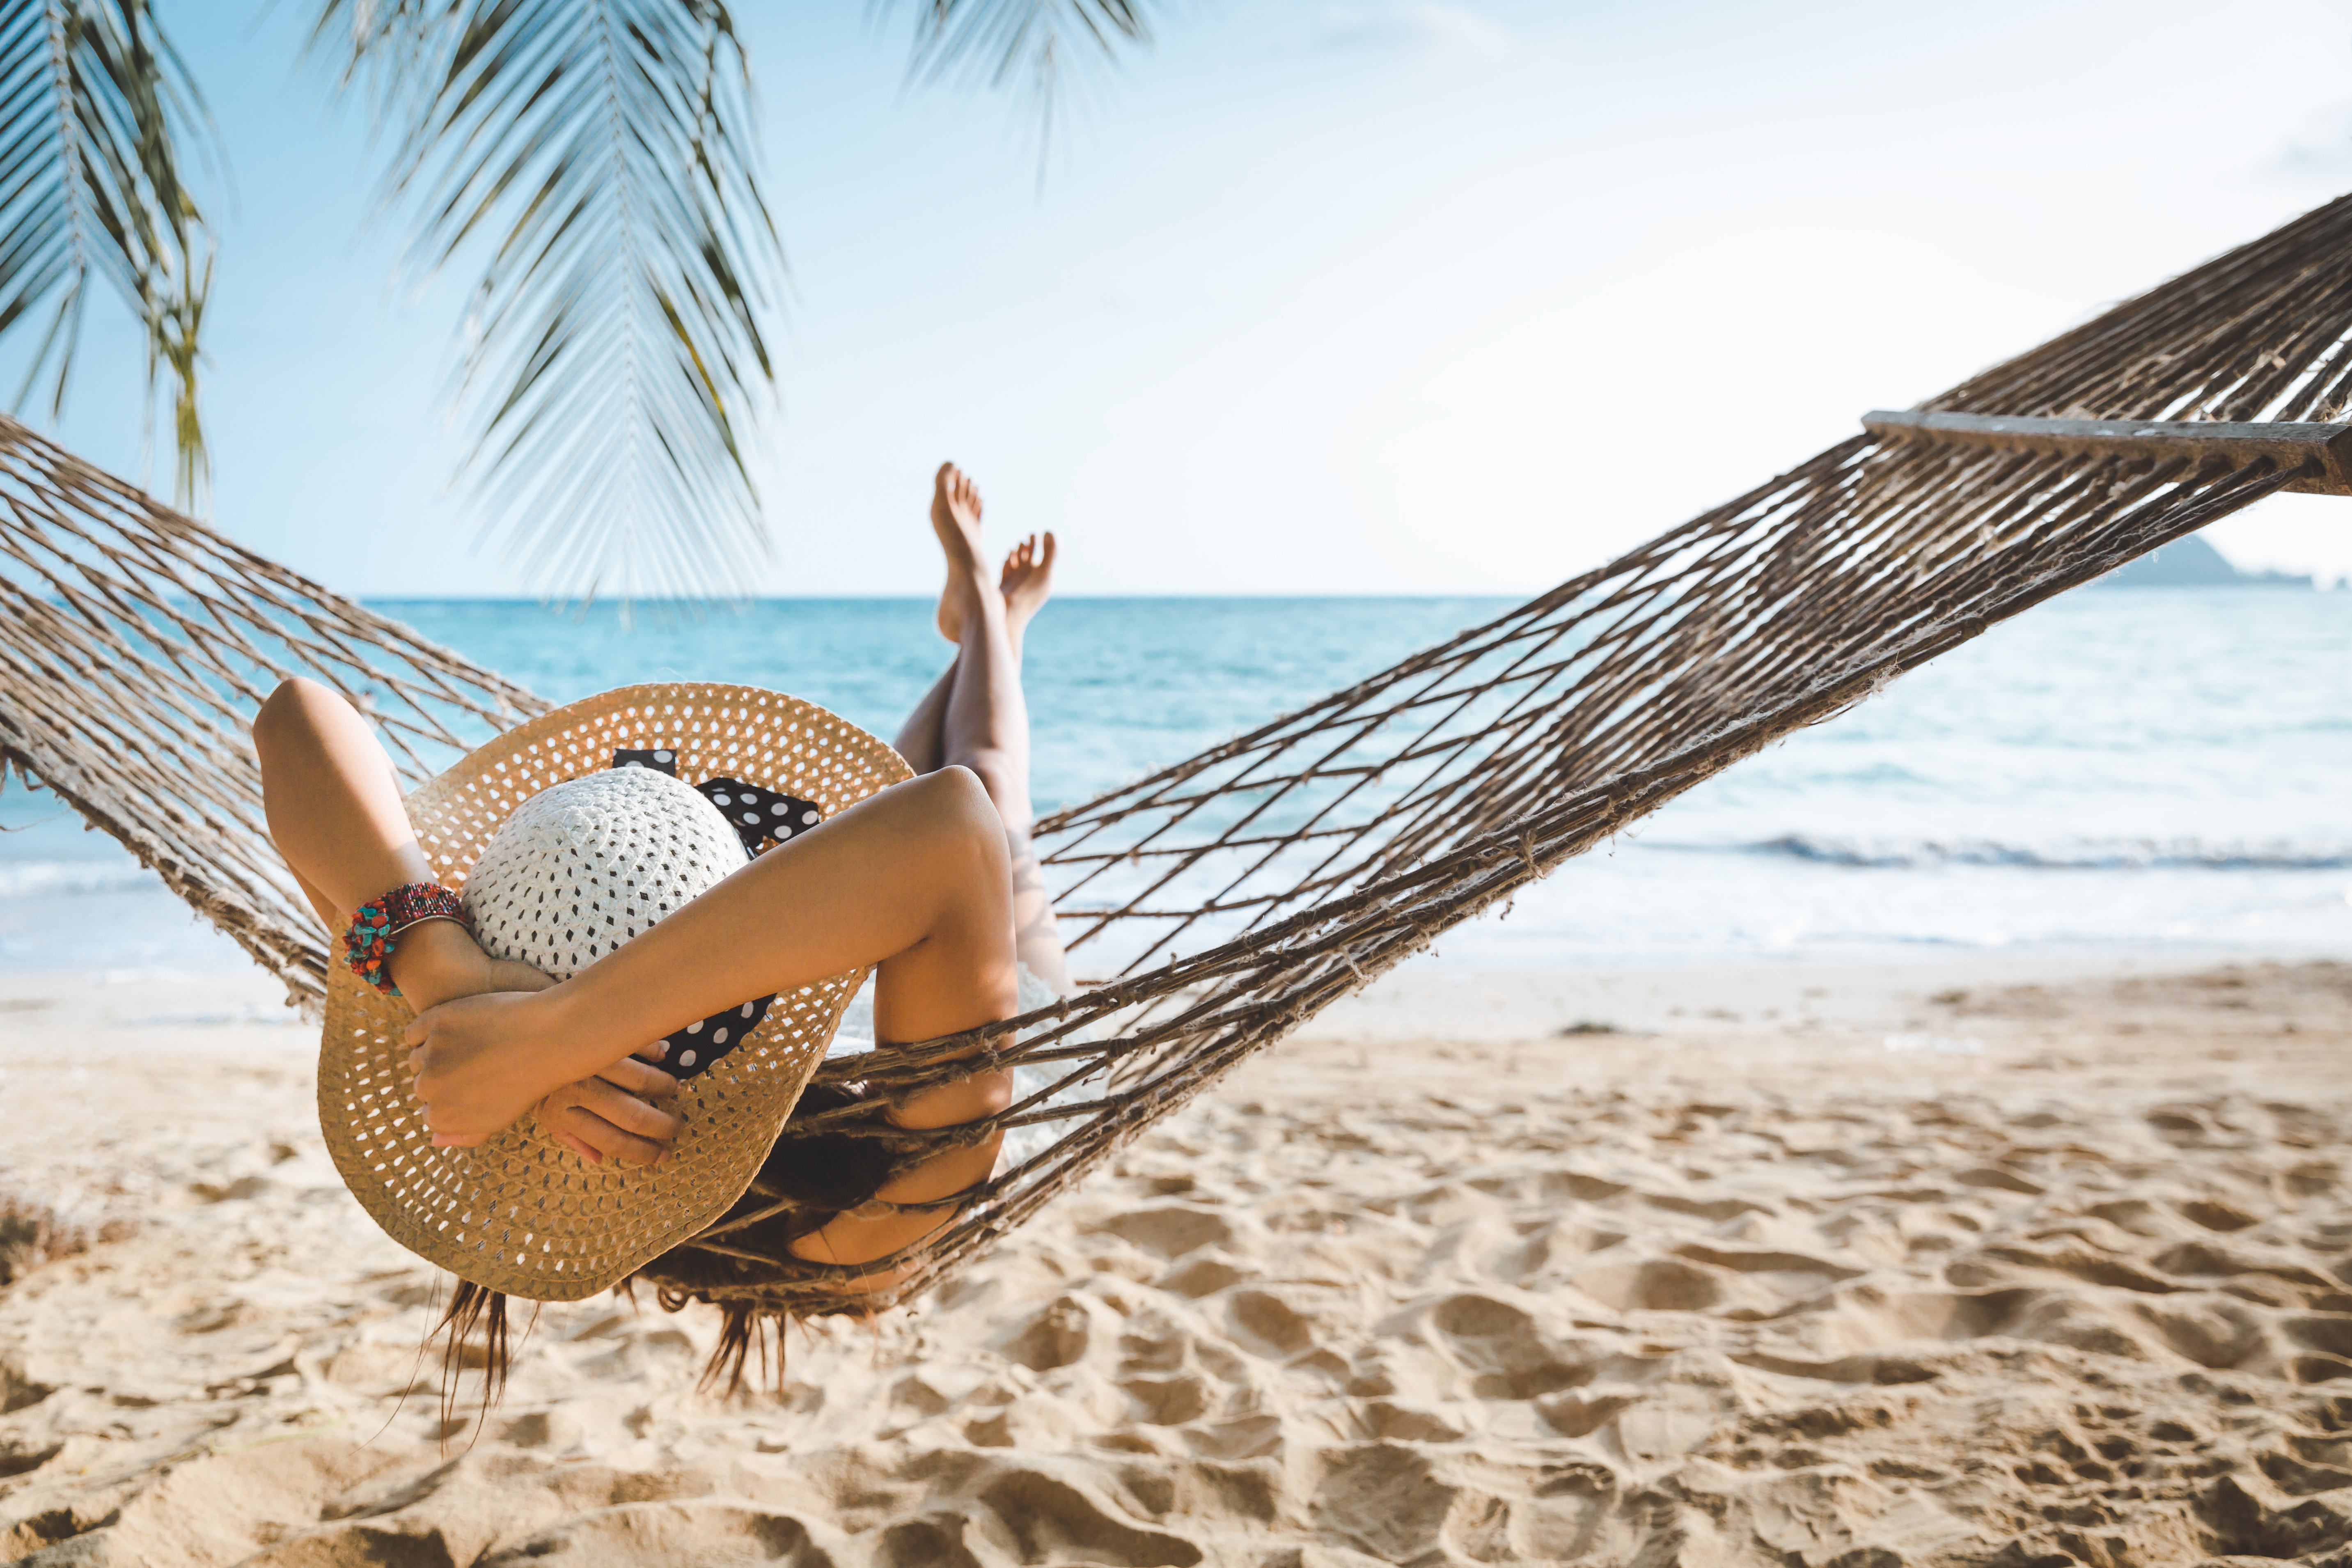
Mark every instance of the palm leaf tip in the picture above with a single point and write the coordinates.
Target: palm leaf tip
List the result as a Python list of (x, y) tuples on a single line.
[(97, 117), (1034, 45), (601, 156), (1002, 41)]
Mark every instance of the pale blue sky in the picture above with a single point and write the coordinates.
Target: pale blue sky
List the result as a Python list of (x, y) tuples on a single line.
[(1387, 296)]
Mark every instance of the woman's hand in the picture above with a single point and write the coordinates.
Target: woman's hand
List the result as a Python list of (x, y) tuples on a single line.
[(617, 1114), (481, 1062), (439, 960)]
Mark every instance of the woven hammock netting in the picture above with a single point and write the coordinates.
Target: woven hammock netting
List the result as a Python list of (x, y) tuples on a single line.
[(1226, 898)]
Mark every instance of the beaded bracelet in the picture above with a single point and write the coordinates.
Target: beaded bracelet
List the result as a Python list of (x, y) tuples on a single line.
[(375, 929)]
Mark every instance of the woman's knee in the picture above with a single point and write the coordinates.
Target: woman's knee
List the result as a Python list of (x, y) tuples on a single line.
[(956, 803), (965, 840), (1005, 782)]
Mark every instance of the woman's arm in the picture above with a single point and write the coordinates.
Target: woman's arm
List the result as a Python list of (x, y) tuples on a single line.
[(334, 809), (914, 879)]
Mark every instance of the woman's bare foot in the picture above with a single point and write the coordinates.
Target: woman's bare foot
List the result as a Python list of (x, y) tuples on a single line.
[(1026, 581), (955, 518)]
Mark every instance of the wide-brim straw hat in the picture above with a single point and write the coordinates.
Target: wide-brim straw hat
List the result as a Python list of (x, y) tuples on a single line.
[(522, 1214)]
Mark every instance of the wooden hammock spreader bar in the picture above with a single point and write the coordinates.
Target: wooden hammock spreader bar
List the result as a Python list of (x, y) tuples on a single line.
[(2327, 448)]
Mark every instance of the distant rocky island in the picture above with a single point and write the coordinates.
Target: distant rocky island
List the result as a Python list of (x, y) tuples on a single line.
[(2191, 562)]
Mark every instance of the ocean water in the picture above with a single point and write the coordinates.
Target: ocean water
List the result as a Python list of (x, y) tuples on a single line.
[(2146, 770)]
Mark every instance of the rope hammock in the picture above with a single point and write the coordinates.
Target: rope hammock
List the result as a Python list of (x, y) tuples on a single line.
[(1232, 896)]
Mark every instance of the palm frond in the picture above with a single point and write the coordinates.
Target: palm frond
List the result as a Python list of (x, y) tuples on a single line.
[(1030, 44), (599, 154), (387, 38), (96, 107)]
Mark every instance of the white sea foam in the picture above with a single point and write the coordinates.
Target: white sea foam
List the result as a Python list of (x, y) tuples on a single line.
[(2056, 854)]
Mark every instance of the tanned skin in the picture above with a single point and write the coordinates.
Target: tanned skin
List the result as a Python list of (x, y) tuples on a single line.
[(931, 882)]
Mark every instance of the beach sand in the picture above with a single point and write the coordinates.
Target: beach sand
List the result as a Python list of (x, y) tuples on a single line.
[(1969, 1263)]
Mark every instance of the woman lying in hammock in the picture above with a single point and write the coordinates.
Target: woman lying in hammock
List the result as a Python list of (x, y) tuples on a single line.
[(933, 881)]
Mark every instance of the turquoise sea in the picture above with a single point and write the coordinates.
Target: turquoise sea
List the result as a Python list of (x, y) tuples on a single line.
[(2146, 769)]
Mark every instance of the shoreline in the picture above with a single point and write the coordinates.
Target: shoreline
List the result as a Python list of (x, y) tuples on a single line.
[(1836, 992)]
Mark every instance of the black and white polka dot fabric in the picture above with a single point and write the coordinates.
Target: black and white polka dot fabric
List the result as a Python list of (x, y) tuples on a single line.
[(761, 817), (693, 1048)]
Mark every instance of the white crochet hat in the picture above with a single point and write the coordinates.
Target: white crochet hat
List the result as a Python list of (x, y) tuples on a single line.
[(584, 865), (561, 857)]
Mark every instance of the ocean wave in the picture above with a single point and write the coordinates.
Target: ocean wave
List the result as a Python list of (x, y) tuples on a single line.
[(2066, 854), (35, 879)]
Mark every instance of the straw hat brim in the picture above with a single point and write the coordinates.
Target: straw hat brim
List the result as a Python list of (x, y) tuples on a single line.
[(522, 1214)]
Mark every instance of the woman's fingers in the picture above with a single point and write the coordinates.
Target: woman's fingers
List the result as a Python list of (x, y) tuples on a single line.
[(615, 1144), (590, 1137), (598, 1120), (596, 1140), (633, 1077), (576, 1145), (614, 1115), (481, 1062), (627, 1112)]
